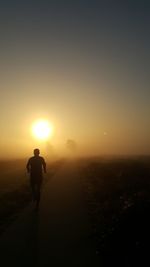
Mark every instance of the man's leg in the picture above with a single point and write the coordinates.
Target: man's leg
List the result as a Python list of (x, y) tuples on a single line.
[(38, 192), (33, 189)]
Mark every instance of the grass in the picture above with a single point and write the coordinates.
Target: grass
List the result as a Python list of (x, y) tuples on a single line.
[(118, 200)]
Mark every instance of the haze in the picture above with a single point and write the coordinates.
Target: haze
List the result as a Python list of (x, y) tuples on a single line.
[(84, 66)]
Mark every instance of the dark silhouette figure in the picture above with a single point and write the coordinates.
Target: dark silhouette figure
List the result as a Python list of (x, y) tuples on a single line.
[(35, 167)]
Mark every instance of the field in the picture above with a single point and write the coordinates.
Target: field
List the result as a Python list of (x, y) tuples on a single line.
[(117, 198), (117, 192), (14, 188)]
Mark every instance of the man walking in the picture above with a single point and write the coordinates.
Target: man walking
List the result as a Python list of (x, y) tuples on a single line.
[(35, 166)]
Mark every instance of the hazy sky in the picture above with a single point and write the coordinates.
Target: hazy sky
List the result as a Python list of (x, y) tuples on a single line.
[(84, 65)]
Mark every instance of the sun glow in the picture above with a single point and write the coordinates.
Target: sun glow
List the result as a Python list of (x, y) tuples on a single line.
[(42, 129)]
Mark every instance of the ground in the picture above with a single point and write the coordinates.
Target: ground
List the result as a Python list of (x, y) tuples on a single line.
[(59, 233), (93, 212)]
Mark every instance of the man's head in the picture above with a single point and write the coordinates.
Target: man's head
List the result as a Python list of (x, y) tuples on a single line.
[(36, 152)]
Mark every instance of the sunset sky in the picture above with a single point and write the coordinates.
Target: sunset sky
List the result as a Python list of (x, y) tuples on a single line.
[(84, 66)]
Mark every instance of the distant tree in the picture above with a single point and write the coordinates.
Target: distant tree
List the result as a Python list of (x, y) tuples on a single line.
[(71, 145)]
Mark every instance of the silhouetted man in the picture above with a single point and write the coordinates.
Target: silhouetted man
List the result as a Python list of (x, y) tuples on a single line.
[(35, 167)]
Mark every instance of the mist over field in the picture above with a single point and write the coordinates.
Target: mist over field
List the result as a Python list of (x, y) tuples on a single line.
[(75, 105)]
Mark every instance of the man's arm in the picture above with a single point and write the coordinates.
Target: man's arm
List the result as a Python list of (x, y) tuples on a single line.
[(28, 166), (44, 165)]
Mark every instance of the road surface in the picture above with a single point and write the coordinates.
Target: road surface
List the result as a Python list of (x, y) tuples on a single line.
[(58, 234)]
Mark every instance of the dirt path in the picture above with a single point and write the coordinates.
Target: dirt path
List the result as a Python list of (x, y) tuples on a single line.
[(56, 235)]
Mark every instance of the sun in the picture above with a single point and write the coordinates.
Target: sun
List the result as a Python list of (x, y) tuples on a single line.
[(42, 129)]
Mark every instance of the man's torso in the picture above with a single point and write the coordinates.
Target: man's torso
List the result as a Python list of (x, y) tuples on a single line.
[(36, 164)]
